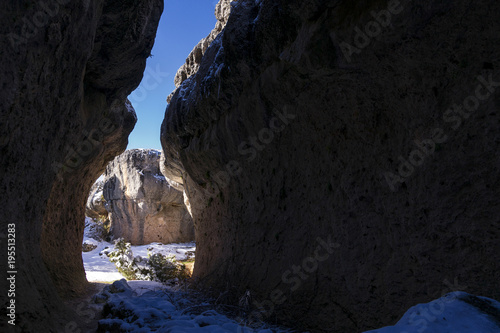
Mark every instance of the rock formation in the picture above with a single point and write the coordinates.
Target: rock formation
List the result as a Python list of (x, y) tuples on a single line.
[(96, 204), (66, 71), (143, 206), (222, 11), (342, 156)]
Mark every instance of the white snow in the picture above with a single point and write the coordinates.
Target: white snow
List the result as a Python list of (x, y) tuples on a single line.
[(129, 107), (448, 314), (160, 177), (167, 311), (141, 287), (99, 269), (148, 306), (178, 250), (153, 152)]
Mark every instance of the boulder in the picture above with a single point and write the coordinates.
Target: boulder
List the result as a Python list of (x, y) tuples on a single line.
[(143, 207), (340, 156), (66, 69)]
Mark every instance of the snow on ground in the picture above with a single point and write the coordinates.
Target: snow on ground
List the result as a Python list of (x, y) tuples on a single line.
[(145, 306), (452, 313), (148, 306), (165, 311), (181, 251), (98, 267)]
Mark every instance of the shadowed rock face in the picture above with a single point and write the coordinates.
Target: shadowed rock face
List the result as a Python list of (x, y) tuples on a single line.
[(66, 70), (294, 149), (96, 204), (143, 206)]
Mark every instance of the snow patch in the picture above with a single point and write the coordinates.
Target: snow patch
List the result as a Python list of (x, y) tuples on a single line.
[(98, 268), (160, 177), (448, 314), (166, 311)]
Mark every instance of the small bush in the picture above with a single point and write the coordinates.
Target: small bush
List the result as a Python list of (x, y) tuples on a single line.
[(123, 258), (166, 268), (87, 247), (156, 268), (97, 229)]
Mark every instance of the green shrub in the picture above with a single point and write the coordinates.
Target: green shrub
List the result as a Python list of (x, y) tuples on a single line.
[(123, 258), (157, 267), (96, 229), (166, 268)]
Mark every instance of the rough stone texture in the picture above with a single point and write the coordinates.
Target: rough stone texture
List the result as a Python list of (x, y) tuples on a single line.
[(96, 204), (323, 173), (143, 206), (222, 11), (65, 72)]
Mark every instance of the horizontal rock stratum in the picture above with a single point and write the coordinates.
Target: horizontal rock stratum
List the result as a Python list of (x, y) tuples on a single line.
[(341, 157)]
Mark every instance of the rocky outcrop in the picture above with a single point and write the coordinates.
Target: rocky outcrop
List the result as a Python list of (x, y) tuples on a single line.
[(96, 204), (342, 156), (143, 207), (66, 70), (222, 11)]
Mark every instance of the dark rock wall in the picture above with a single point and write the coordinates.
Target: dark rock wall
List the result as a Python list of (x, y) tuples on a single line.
[(287, 138), (66, 70)]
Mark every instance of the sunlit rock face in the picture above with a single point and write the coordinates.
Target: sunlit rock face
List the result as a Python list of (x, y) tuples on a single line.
[(327, 169), (143, 207), (193, 61), (66, 70)]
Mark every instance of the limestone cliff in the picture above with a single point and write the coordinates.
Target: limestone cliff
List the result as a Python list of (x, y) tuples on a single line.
[(143, 207), (222, 11), (66, 69), (341, 158)]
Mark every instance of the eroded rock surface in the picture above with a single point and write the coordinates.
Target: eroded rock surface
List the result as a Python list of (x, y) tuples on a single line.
[(96, 204), (143, 206), (293, 142), (222, 11), (66, 69)]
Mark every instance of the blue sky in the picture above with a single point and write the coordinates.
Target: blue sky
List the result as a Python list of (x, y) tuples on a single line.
[(182, 25)]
